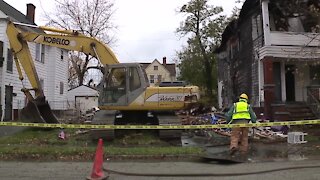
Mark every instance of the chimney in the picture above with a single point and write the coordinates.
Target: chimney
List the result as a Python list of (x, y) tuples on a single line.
[(30, 12), (164, 60)]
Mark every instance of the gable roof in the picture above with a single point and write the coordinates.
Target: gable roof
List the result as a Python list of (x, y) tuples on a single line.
[(85, 86), (14, 13), (171, 67), (248, 7)]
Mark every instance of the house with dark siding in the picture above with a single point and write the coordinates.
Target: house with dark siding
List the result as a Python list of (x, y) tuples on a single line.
[(272, 53)]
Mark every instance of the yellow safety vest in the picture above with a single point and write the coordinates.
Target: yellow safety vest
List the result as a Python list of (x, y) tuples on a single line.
[(241, 111)]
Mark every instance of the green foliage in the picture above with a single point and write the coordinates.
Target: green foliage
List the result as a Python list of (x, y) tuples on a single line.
[(204, 26)]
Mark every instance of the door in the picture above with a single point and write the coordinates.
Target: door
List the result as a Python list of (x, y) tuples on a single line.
[(86, 103), (290, 83), (8, 103)]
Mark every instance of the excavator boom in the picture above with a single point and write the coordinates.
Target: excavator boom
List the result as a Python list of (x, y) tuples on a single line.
[(37, 108), (125, 95)]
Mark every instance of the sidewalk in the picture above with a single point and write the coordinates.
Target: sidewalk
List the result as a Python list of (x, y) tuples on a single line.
[(166, 170)]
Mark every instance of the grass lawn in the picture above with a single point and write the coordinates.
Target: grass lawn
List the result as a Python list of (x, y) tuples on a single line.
[(44, 144)]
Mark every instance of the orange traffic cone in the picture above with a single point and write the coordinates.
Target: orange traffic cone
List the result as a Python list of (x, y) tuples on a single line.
[(97, 171)]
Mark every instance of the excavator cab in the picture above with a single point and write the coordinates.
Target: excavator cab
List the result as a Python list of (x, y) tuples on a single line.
[(122, 85)]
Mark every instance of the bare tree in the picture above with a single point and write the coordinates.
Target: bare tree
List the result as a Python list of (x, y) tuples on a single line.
[(90, 17)]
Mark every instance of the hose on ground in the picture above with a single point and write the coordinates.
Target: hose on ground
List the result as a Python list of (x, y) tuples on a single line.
[(206, 174)]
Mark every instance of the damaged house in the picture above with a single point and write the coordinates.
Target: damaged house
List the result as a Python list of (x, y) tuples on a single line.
[(272, 53)]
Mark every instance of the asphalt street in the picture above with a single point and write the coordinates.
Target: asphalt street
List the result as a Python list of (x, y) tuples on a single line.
[(185, 170)]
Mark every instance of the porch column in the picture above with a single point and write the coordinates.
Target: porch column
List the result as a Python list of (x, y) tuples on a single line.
[(268, 87), (266, 22)]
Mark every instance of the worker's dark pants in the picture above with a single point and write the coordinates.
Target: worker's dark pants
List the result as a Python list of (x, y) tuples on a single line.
[(239, 137)]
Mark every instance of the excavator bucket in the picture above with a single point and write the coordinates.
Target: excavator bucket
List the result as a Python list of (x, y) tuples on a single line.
[(38, 111)]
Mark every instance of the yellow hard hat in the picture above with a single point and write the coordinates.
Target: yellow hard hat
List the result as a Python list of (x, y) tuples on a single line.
[(244, 96)]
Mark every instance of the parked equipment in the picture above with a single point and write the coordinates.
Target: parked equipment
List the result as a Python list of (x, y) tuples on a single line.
[(125, 96)]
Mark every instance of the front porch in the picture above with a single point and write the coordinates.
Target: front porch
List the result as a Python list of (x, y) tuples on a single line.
[(292, 111), (291, 88)]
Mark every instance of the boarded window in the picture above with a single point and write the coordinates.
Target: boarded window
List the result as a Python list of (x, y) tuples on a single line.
[(9, 61), (61, 87)]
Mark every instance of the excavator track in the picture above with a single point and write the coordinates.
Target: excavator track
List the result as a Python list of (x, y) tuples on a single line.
[(108, 117), (169, 118), (103, 117)]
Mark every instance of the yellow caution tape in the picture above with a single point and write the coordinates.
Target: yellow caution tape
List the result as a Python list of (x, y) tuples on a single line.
[(207, 126)]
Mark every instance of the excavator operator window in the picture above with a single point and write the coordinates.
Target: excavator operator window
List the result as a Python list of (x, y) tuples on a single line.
[(134, 79), (115, 86)]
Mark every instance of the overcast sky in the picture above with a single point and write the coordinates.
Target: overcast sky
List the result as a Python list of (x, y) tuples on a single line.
[(146, 28)]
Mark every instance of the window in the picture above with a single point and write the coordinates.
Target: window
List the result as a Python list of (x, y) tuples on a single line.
[(37, 52), (134, 79), (61, 87), (152, 79), (114, 87), (40, 52), (43, 50), (9, 61), (61, 56), (155, 68)]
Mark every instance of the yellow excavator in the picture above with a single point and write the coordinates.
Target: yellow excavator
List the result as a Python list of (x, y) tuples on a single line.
[(125, 96)]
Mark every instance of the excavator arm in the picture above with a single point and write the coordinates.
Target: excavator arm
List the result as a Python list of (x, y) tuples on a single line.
[(38, 109)]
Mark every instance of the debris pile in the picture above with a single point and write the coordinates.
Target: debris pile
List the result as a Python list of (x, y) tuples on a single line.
[(210, 115)]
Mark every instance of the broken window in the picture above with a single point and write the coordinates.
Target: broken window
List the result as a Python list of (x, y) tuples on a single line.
[(295, 16)]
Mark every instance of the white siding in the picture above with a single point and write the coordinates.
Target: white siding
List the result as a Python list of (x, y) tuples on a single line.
[(52, 71), (289, 52), (2, 70), (10, 78), (294, 39), (57, 70)]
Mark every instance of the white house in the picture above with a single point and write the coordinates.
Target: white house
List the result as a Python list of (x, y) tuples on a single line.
[(51, 65), (158, 72), (82, 98)]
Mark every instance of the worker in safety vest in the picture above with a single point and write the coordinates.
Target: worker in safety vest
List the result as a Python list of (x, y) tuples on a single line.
[(240, 113)]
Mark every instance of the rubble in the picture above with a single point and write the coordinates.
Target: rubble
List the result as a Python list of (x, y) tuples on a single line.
[(202, 115)]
